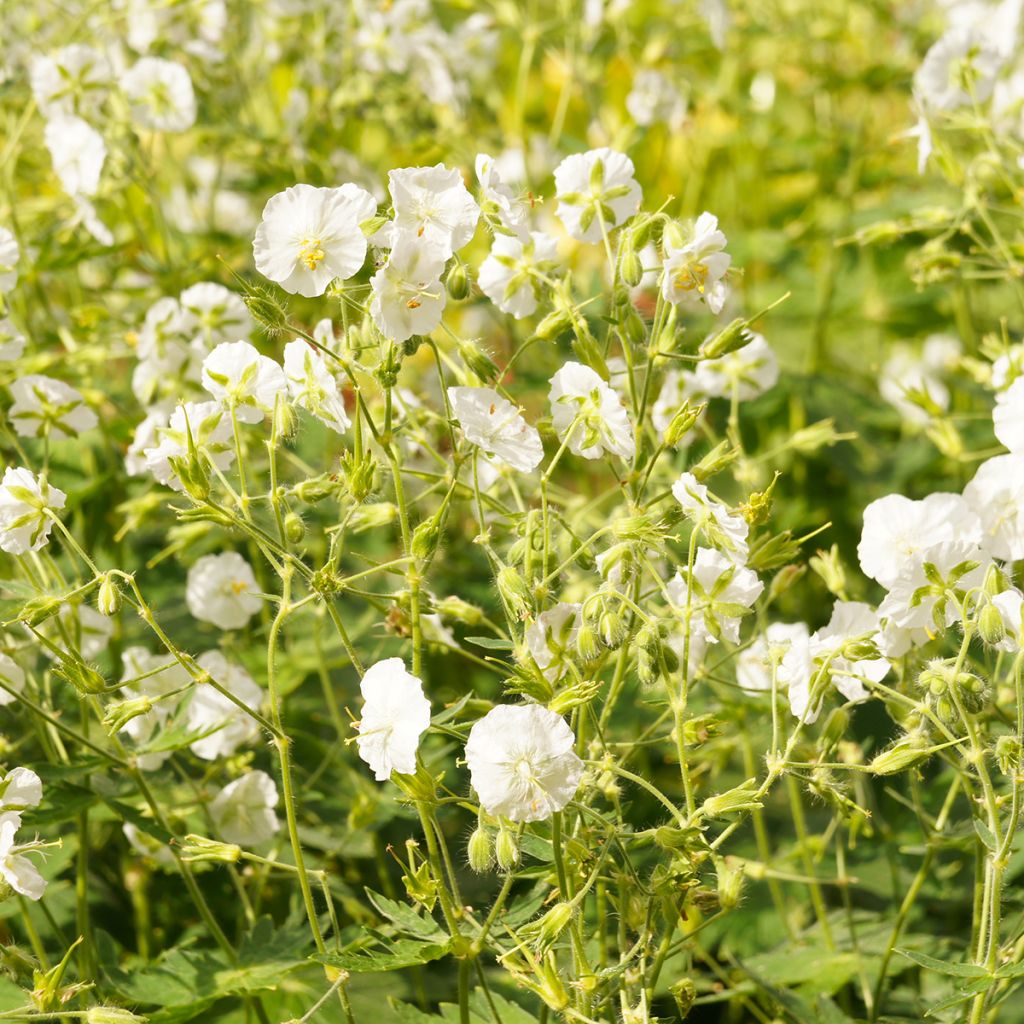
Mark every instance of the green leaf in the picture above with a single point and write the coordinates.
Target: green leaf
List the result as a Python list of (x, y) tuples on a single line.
[(490, 642), (395, 954), (941, 967), (985, 835), (405, 918)]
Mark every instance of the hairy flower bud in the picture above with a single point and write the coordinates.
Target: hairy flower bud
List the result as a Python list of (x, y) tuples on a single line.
[(682, 423), (457, 281), (991, 627), (904, 754), (479, 850), (506, 849), (514, 591), (631, 269), (684, 992), (199, 848), (108, 597), (453, 607), (730, 339), (425, 539), (971, 691), (120, 713), (112, 1015)]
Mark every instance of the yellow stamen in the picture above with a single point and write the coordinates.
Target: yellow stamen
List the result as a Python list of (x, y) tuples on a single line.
[(311, 253)]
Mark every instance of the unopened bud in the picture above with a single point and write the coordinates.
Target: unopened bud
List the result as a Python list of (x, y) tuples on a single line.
[(554, 325), (457, 281), (294, 528), (684, 992), (112, 1015), (36, 611), (478, 361), (514, 592), (730, 339), (479, 850), (722, 455), (199, 848), (119, 714), (904, 754), (973, 693), (506, 850), (552, 924), (108, 597), (461, 611), (991, 627), (425, 539), (730, 885), (682, 423), (631, 269)]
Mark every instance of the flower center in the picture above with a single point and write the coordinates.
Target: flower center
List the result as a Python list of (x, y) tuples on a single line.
[(311, 252), (692, 277)]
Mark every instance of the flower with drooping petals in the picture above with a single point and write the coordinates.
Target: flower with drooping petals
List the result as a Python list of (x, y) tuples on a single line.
[(395, 714)]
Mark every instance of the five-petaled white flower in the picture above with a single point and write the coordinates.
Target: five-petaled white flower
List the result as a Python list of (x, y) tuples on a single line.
[(210, 429), (25, 501), (46, 407), (211, 313), (12, 341), (726, 530), (310, 236), (594, 188), (510, 276), (395, 714), (8, 260), (408, 297), (211, 709), (715, 597), (433, 206), (589, 413), (312, 385), (78, 152), (17, 870), (222, 589), (694, 271), (243, 811), (160, 95), (522, 763), (242, 380), (497, 426)]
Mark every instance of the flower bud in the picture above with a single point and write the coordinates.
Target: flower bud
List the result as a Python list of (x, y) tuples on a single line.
[(36, 611), (673, 235), (588, 643), (286, 420), (904, 754), (829, 567), (81, 676), (611, 627), (359, 473), (682, 423), (730, 339), (457, 281), (514, 592), (835, 728), (742, 798), (112, 1015), (722, 455), (479, 850), (199, 848), (973, 693), (631, 269), (478, 361), (991, 627), (316, 489), (120, 713), (372, 517), (730, 885), (108, 597), (425, 539), (552, 924), (996, 581), (266, 309), (294, 528), (453, 607), (554, 325), (506, 849)]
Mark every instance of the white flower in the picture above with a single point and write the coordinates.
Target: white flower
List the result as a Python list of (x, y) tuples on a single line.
[(695, 271), (13, 678), (210, 709), (898, 530), (750, 371), (655, 98), (497, 426), (408, 297), (310, 236), (598, 184), (909, 373), (17, 870), (1008, 416), (725, 529), (243, 811), (433, 205), (590, 413), (155, 677), (8, 260), (511, 212), (243, 380), (508, 277), (20, 789), (73, 80), (312, 385), (211, 434), (211, 313), (45, 407), (754, 663), (551, 638), (959, 68), (12, 341), (160, 95), (718, 587), (1010, 605), (24, 503), (522, 763), (222, 589), (395, 714), (78, 152), (147, 435), (996, 495)]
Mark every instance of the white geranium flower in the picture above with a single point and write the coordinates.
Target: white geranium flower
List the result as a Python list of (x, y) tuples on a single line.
[(960, 68), (655, 98), (909, 370), (9, 256), (718, 586), (408, 296), (210, 428), (590, 413), (695, 271), (310, 236), (497, 426), (898, 530), (243, 380), (20, 789), (996, 496), (509, 275), (522, 763), (243, 811), (12, 341), (312, 385), (222, 589), (17, 870), (1008, 416), (750, 371), (45, 407), (395, 714), (78, 152), (74, 80), (1010, 604), (211, 313), (433, 205), (160, 95), (551, 638), (13, 678), (155, 677), (600, 183), (210, 709), (725, 529), (24, 502), (147, 435), (511, 212), (754, 663)]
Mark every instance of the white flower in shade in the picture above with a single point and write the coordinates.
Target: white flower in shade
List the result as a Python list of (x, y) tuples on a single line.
[(804, 659), (78, 152), (210, 709), (749, 371), (898, 530), (162, 334), (718, 588), (160, 95), (433, 205), (695, 271), (408, 297), (1008, 416), (211, 313), (589, 413), (655, 98), (1010, 605), (243, 811), (157, 678), (222, 589), (717, 525), (912, 382), (25, 501), (12, 341), (17, 870), (45, 407), (395, 715), (147, 435), (210, 428), (511, 212), (20, 789), (551, 638), (312, 385), (73, 80), (959, 69), (509, 275), (243, 380), (8, 260), (310, 236), (599, 184), (754, 663), (13, 679), (522, 763), (996, 496), (497, 426)]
